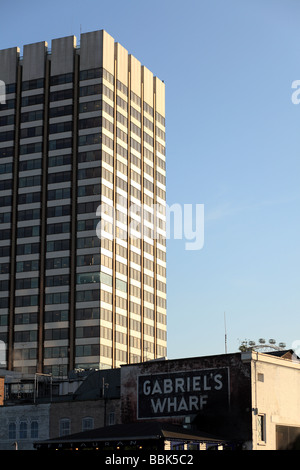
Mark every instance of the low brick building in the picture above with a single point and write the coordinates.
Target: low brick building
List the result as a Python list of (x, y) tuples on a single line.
[(250, 399), (239, 401), (208, 394), (21, 425), (77, 405)]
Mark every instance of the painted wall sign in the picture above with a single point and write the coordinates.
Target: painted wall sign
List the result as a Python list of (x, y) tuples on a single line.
[(182, 393)]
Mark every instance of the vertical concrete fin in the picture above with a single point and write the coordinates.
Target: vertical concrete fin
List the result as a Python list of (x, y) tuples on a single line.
[(148, 85), (62, 55), (159, 88), (8, 65), (121, 55), (135, 75), (97, 50), (34, 57)]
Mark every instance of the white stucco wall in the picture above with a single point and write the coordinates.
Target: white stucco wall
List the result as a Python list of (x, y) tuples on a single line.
[(18, 414), (275, 395)]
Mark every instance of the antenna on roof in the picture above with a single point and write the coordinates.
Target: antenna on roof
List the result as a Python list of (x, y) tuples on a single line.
[(225, 333)]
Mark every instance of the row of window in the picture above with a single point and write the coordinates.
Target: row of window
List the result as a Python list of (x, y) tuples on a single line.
[(57, 245), (5, 217), (7, 120), (6, 136), (84, 332), (83, 140), (89, 139), (82, 260), (83, 190), (83, 75), (24, 430), (6, 168), (5, 201), (29, 429), (86, 278)]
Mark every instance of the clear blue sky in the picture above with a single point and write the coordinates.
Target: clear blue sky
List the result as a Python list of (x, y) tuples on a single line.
[(233, 144)]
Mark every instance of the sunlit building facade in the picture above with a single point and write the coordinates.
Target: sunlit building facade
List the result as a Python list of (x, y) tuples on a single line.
[(82, 207)]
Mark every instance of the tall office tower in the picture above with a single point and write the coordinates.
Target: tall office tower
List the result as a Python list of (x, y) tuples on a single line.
[(83, 222)]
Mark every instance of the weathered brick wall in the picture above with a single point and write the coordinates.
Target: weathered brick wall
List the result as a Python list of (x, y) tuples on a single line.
[(77, 410), (234, 419), (27, 414)]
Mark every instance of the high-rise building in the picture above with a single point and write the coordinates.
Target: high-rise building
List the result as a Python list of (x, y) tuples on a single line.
[(82, 207)]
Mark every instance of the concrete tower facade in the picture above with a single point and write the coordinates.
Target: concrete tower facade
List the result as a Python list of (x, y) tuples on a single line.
[(83, 207)]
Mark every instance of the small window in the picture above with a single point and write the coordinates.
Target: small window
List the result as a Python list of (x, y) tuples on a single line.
[(178, 446), (261, 428), (23, 430), (12, 434), (87, 424), (34, 429), (64, 427), (111, 418)]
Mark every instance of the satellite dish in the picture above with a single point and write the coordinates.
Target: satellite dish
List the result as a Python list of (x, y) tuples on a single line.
[(262, 341), (282, 345), (251, 343), (272, 341)]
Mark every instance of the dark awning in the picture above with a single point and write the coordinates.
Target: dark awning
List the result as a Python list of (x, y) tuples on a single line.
[(144, 431)]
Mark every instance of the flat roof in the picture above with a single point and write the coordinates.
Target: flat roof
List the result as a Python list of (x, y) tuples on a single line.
[(134, 431)]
